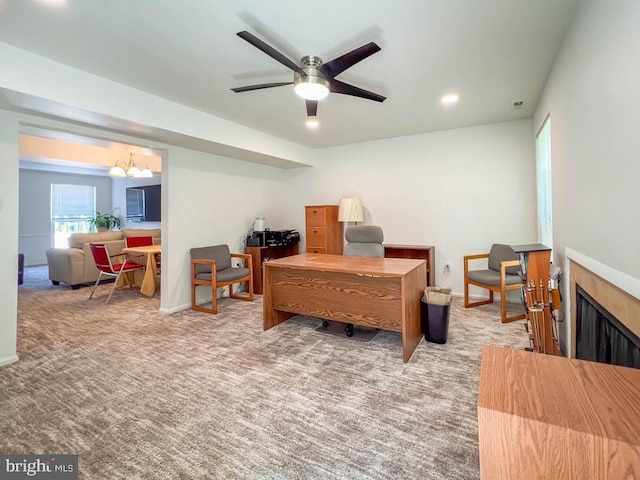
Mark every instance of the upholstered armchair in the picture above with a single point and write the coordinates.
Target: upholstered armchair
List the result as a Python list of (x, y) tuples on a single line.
[(212, 267), (501, 276)]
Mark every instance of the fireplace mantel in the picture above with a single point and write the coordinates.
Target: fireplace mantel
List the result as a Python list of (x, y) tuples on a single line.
[(616, 292)]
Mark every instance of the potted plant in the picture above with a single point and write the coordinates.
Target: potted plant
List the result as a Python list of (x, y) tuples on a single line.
[(105, 221)]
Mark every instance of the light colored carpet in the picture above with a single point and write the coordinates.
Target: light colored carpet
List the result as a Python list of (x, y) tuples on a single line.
[(139, 395)]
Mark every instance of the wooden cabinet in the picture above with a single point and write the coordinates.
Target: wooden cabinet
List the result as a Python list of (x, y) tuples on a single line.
[(418, 252), (261, 254), (323, 230)]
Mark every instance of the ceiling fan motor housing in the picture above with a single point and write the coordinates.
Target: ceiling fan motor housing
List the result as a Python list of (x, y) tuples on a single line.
[(312, 75)]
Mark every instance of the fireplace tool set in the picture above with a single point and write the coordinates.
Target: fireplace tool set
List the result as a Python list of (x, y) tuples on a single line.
[(539, 297)]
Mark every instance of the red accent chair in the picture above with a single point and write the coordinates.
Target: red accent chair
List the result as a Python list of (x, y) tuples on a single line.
[(138, 241), (107, 267)]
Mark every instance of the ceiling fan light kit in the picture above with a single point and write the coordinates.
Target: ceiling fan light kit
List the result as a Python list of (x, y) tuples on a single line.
[(313, 80), (309, 83), (312, 122)]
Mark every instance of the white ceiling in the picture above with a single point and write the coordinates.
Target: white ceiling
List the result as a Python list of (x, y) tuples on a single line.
[(490, 52)]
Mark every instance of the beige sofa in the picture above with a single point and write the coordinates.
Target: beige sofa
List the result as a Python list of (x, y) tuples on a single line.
[(75, 266)]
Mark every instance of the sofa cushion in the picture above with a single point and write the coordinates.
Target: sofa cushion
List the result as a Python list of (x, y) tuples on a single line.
[(142, 232), (77, 239)]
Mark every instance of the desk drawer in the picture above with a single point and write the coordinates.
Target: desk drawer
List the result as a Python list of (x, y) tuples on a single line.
[(315, 216), (316, 237), (316, 250)]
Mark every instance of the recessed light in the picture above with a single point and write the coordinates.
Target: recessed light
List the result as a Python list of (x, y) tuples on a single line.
[(55, 3), (450, 99), (312, 122)]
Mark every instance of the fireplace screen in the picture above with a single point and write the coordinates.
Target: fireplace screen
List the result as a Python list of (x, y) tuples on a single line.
[(600, 337)]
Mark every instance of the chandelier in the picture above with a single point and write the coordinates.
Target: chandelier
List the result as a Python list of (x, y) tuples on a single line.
[(130, 169)]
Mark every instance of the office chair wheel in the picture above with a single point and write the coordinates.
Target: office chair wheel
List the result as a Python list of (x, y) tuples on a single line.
[(348, 329), (325, 323)]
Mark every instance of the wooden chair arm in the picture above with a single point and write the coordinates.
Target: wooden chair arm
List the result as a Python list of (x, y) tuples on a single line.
[(246, 257), (509, 263), (203, 261), (503, 269), (472, 257)]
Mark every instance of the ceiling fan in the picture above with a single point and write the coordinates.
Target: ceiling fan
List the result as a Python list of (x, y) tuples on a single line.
[(312, 79)]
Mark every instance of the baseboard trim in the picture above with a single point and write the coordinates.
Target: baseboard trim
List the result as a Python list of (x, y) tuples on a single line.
[(179, 308), (8, 360)]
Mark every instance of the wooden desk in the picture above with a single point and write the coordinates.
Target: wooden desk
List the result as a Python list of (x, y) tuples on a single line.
[(258, 256), (373, 292), (547, 417), (420, 252), (148, 284)]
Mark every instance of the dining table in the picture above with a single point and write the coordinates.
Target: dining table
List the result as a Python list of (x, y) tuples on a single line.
[(150, 252)]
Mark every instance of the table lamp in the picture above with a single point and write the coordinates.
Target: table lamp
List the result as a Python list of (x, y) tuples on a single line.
[(350, 210)]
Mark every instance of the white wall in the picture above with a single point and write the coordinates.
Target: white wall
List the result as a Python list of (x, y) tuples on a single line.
[(592, 98), (212, 200), (8, 235), (459, 190), (35, 234)]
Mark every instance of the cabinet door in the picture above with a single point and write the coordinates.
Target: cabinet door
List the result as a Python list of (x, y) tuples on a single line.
[(315, 216)]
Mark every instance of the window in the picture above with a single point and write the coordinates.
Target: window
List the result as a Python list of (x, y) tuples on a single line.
[(543, 176), (72, 207), (135, 204)]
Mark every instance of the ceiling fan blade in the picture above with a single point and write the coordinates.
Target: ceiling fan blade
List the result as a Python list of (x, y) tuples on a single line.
[(269, 50), (260, 86), (338, 65), (336, 86), (312, 108)]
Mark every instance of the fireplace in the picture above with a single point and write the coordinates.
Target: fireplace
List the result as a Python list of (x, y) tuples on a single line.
[(605, 317), (601, 337)]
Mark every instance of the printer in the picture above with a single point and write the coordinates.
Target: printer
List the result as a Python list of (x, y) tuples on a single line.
[(272, 238)]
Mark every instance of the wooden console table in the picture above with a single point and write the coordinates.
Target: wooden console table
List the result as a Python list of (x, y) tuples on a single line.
[(258, 256), (419, 252), (547, 417), (373, 292)]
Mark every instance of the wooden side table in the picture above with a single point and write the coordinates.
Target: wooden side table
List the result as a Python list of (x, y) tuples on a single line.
[(419, 252), (261, 254)]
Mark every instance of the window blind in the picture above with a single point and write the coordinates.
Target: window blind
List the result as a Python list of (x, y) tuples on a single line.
[(543, 178), (72, 202), (135, 204)]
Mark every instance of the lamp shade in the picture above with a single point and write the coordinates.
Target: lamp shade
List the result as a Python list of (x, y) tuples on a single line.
[(350, 210)]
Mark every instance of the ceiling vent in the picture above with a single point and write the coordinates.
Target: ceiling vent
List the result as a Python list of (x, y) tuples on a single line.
[(518, 104)]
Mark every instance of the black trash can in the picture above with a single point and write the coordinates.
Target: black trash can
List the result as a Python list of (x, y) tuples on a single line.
[(435, 321)]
